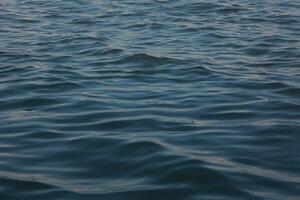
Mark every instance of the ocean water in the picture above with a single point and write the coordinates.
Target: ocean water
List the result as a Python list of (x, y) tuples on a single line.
[(149, 100)]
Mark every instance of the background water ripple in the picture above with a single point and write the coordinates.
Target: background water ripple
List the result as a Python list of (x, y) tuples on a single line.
[(153, 99)]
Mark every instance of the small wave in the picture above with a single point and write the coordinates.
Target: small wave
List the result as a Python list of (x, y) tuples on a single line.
[(145, 58)]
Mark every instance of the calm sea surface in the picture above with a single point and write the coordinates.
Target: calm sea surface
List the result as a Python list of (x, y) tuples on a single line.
[(149, 100)]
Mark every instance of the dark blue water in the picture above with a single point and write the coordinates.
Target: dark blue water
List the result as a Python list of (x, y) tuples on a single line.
[(140, 100)]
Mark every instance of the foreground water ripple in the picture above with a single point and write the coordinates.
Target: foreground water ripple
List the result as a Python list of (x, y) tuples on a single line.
[(149, 99)]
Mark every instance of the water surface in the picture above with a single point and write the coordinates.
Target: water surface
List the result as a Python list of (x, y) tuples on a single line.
[(149, 99)]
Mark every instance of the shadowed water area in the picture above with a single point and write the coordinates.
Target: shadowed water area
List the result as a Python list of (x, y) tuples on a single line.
[(149, 100)]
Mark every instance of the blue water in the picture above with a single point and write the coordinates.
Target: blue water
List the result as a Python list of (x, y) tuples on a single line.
[(149, 100)]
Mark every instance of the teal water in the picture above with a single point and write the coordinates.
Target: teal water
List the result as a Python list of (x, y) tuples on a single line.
[(149, 100)]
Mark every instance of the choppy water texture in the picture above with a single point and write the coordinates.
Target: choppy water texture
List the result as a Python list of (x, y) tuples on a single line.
[(130, 99)]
